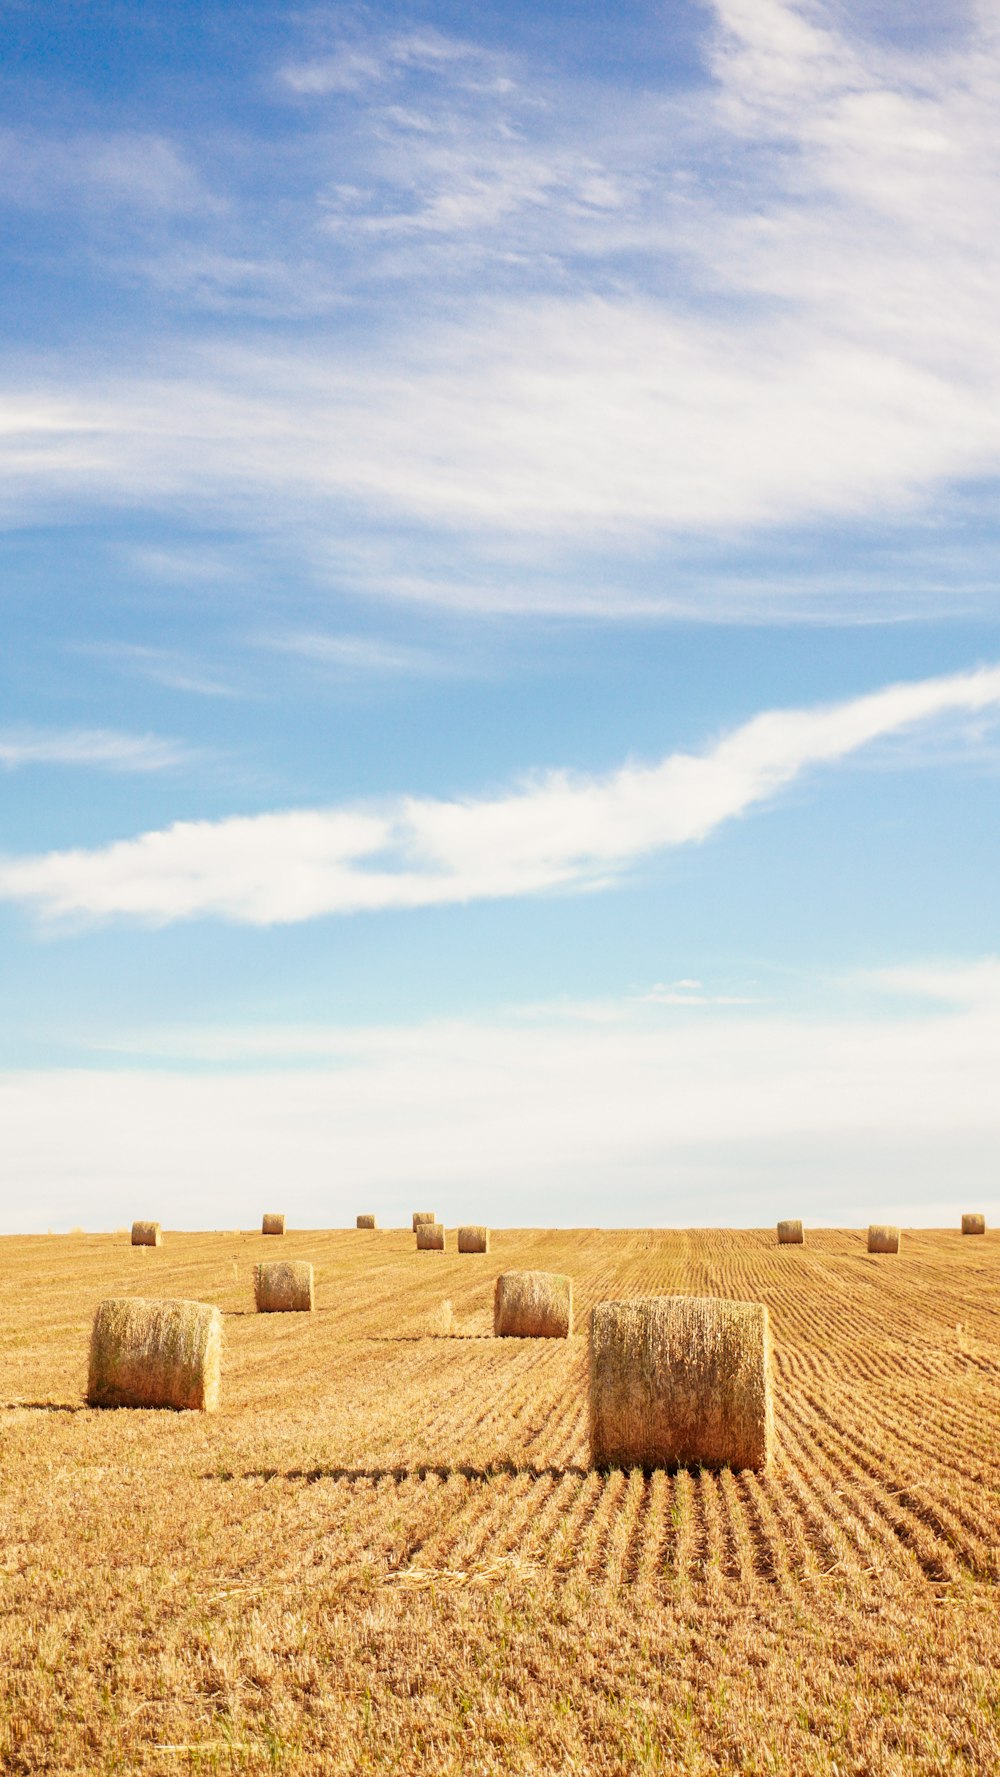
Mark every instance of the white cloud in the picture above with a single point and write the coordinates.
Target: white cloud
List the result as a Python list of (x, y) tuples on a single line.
[(88, 746), (355, 654), (556, 831)]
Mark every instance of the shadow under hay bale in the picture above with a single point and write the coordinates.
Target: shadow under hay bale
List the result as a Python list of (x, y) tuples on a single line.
[(365, 1222), (790, 1234), (155, 1354), (680, 1382), (973, 1223), (473, 1240), (430, 1237), (423, 1217), (283, 1286), (146, 1234), (273, 1225), (532, 1305), (882, 1238)]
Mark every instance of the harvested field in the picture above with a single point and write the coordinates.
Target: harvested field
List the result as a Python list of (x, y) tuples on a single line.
[(385, 1551)]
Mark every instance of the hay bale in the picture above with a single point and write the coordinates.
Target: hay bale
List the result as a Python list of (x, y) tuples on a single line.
[(365, 1222), (155, 1354), (425, 1216), (430, 1237), (146, 1234), (473, 1240), (973, 1224), (532, 1305), (790, 1234), (273, 1225), (284, 1286), (882, 1238), (680, 1381)]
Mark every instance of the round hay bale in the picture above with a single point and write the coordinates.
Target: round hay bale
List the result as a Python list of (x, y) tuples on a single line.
[(973, 1223), (473, 1240), (680, 1382), (283, 1286), (146, 1234), (790, 1234), (882, 1238), (155, 1354), (366, 1222), (532, 1305), (430, 1237), (422, 1216), (273, 1225)]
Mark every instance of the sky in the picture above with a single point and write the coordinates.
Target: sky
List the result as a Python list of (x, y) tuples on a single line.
[(500, 670)]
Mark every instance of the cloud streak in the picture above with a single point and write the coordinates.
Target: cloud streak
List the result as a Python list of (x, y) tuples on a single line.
[(102, 747)]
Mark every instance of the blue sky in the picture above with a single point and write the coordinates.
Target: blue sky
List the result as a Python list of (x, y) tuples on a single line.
[(501, 659)]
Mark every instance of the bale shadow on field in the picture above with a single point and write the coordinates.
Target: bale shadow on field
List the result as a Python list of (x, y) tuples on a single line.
[(441, 1471), (43, 1407)]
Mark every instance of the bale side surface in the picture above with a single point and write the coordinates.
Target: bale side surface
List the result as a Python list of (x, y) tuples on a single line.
[(422, 1215), (532, 1305), (283, 1286), (146, 1234), (680, 1381), (365, 1222), (883, 1239), (273, 1225), (473, 1240), (430, 1237), (973, 1223), (155, 1354), (790, 1234)]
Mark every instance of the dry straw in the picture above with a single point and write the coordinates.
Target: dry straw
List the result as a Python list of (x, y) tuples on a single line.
[(973, 1223), (146, 1234), (882, 1238), (284, 1286), (790, 1234), (430, 1237), (473, 1240), (273, 1225), (155, 1354), (680, 1382), (422, 1216), (365, 1222), (532, 1305)]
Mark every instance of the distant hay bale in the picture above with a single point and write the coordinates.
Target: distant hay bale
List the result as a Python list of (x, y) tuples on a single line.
[(146, 1234), (532, 1305), (155, 1354), (973, 1224), (679, 1382), (422, 1216), (430, 1237), (790, 1234), (283, 1286), (365, 1222), (473, 1240), (882, 1238), (273, 1225)]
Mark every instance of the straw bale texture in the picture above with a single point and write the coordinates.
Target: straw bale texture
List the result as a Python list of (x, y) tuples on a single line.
[(273, 1225), (422, 1215), (973, 1223), (146, 1234), (283, 1286), (155, 1354), (680, 1382), (790, 1234), (365, 1222), (430, 1237), (532, 1305), (473, 1240), (882, 1238)]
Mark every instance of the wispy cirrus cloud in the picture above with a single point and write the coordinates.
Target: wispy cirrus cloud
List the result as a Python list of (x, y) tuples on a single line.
[(103, 747)]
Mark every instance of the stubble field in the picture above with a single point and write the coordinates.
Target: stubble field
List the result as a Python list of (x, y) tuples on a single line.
[(386, 1551)]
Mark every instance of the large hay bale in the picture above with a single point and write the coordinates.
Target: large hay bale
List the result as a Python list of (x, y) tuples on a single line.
[(273, 1225), (365, 1222), (680, 1381), (532, 1305), (430, 1237), (146, 1234), (790, 1234), (973, 1223), (155, 1354), (283, 1286), (882, 1238), (425, 1216), (473, 1239)]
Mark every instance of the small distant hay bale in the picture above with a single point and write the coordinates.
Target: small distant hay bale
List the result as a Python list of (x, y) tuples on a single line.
[(146, 1234), (532, 1305), (973, 1223), (430, 1237), (283, 1286), (425, 1216), (155, 1354), (473, 1240), (680, 1382), (790, 1234), (366, 1222), (882, 1238), (273, 1225)]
